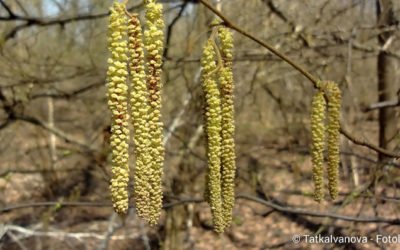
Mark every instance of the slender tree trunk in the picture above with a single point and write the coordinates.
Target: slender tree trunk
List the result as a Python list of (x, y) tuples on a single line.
[(388, 83)]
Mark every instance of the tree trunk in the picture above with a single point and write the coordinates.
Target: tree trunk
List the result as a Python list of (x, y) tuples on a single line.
[(387, 81)]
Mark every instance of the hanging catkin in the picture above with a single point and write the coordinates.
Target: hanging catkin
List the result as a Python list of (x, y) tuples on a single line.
[(118, 105), (333, 130), (225, 76), (318, 143), (213, 133), (139, 113), (154, 44)]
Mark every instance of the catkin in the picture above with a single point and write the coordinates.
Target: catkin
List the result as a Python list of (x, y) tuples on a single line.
[(139, 113), (333, 132), (225, 76), (154, 44), (213, 132), (318, 143), (118, 105)]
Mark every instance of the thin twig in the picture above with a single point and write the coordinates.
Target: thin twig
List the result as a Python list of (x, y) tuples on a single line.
[(383, 105), (177, 121), (55, 203), (53, 130), (111, 229), (16, 240), (229, 24), (143, 235)]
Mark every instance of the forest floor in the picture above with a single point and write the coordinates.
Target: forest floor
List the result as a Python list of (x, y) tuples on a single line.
[(277, 171)]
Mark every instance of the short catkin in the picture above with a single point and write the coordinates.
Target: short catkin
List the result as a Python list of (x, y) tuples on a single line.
[(318, 143), (118, 104), (228, 164), (154, 44), (213, 133), (139, 114), (333, 132)]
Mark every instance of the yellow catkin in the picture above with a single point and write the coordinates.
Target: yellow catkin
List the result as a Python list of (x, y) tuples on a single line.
[(333, 132), (118, 105), (225, 76), (318, 143), (154, 44), (139, 113), (213, 134)]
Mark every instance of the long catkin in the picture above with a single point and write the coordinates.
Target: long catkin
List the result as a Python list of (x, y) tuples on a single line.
[(154, 44), (213, 134), (118, 104), (139, 113), (225, 75), (333, 133), (318, 143)]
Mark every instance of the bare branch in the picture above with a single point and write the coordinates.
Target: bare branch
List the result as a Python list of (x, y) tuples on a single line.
[(71, 94), (171, 27), (33, 171), (61, 235), (382, 105), (364, 143), (7, 8), (55, 131), (313, 79), (319, 214), (33, 21), (112, 228), (182, 201)]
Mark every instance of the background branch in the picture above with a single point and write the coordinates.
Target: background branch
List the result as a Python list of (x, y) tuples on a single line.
[(183, 201)]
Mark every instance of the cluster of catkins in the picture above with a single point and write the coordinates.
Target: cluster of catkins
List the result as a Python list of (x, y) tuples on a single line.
[(325, 109), (217, 83), (140, 104), (138, 58)]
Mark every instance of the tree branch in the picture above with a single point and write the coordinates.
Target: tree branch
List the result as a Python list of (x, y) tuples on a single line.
[(182, 201), (294, 210), (313, 79), (364, 143), (33, 21), (62, 235), (382, 105), (7, 8)]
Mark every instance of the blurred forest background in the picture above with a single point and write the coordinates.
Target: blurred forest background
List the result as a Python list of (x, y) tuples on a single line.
[(54, 125)]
